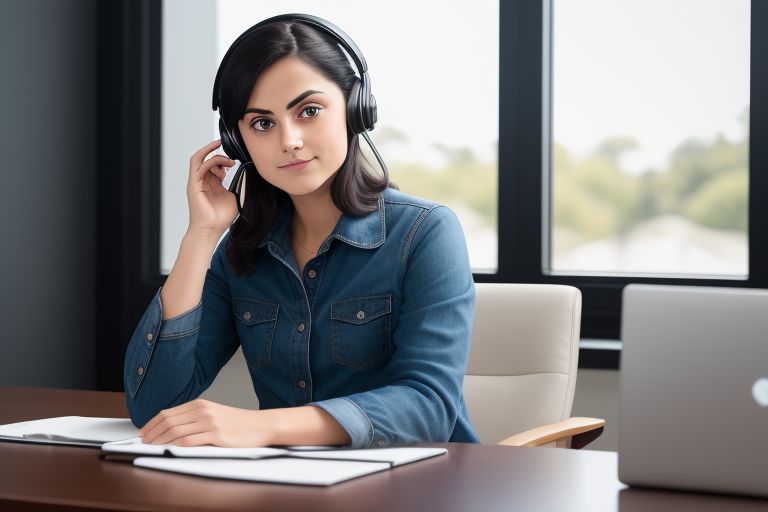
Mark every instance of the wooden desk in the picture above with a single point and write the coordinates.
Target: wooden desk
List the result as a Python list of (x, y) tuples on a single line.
[(479, 478)]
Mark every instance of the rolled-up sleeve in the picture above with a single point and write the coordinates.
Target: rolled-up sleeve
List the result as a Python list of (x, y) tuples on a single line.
[(423, 397), (351, 417), (169, 362)]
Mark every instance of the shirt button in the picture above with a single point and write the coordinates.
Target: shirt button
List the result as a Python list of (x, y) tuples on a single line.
[(300, 328), (302, 384), (140, 371), (312, 274), (149, 337), (247, 315), (360, 315)]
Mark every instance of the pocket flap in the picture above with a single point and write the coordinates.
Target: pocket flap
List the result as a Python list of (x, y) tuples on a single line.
[(361, 309), (252, 311)]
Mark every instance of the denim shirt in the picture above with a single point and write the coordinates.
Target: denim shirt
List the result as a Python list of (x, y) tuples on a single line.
[(376, 331)]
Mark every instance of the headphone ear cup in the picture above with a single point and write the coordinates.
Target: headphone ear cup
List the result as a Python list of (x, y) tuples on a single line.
[(231, 145), (226, 141), (372, 114), (368, 109), (361, 107), (354, 113)]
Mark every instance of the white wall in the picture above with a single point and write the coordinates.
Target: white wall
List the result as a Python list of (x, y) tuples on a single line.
[(189, 67)]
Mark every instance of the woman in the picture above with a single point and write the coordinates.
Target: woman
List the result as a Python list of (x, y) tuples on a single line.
[(353, 302)]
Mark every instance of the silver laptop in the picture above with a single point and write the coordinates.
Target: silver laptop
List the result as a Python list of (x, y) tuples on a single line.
[(694, 389)]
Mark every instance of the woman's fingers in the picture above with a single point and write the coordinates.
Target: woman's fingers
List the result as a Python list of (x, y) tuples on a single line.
[(199, 166), (179, 431), (161, 429), (197, 159), (169, 413), (217, 164), (200, 439)]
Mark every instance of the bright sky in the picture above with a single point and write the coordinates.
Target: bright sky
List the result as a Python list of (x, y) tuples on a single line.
[(659, 70)]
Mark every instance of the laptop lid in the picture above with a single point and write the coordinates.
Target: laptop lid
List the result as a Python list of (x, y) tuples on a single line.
[(694, 388)]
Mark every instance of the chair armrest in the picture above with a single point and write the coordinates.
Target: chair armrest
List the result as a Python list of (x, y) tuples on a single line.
[(582, 431)]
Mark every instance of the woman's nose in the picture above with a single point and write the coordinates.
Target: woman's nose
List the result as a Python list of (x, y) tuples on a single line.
[(292, 140)]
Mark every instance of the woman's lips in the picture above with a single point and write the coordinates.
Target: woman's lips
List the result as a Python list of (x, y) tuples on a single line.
[(295, 167)]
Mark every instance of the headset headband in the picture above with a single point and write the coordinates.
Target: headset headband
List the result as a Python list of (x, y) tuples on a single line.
[(326, 26)]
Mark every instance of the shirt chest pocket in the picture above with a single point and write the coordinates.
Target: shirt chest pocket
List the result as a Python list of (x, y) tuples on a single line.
[(256, 321), (361, 331)]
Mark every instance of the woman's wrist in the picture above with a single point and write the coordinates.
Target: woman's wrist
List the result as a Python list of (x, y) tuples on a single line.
[(307, 425), (201, 237)]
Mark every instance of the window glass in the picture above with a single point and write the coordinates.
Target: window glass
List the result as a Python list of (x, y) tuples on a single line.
[(649, 137)]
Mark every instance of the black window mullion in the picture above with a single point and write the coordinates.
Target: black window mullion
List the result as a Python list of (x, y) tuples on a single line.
[(758, 147), (128, 181), (520, 124)]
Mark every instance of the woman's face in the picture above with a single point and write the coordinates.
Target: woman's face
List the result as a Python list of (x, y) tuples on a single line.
[(295, 113)]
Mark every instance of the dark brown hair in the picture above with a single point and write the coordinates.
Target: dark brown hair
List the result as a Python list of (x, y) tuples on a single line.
[(355, 187)]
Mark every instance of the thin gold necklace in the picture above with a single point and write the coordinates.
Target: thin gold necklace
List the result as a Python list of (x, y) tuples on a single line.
[(305, 249), (326, 236)]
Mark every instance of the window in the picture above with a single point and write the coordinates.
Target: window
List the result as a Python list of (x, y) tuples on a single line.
[(523, 170), (531, 109), (649, 137), (434, 74)]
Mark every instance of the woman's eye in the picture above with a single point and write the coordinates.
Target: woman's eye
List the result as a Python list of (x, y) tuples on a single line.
[(312, 111), (261, 125)]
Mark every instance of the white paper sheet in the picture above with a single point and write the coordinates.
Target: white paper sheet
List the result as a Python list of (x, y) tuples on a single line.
[(287, 470), (294, 467), (77, 430)]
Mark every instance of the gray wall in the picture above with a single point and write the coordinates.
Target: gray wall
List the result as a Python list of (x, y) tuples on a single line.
[(47, 100), (597, 396)]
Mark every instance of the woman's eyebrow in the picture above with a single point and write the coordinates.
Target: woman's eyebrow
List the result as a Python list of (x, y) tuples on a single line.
[(289, 106)]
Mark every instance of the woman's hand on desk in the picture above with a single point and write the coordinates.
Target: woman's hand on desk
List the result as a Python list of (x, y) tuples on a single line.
[(202, 422)]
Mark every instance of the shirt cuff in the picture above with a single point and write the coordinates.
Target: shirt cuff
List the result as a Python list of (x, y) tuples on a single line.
[(352, 419), (180, 325)]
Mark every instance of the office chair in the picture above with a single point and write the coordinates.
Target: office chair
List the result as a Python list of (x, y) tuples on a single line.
[(522, 366)]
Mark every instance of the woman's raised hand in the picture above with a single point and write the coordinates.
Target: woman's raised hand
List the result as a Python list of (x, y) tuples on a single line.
[(212, 208)]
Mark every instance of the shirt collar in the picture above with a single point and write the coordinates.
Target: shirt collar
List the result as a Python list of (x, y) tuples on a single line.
[(365, 232)]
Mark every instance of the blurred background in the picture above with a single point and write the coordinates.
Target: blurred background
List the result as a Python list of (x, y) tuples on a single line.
[(649, 135), (591, 143)]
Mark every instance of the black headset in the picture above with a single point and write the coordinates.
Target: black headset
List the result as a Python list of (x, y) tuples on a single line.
[(361, 106)]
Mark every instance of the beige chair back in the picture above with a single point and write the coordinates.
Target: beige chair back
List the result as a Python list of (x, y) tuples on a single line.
[(523, 359)]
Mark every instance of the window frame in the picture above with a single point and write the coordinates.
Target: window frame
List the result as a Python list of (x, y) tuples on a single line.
[(524, 171), (129, 145), (129, 67)]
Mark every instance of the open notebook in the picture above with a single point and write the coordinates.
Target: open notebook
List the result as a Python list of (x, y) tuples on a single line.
[(303, 465)]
